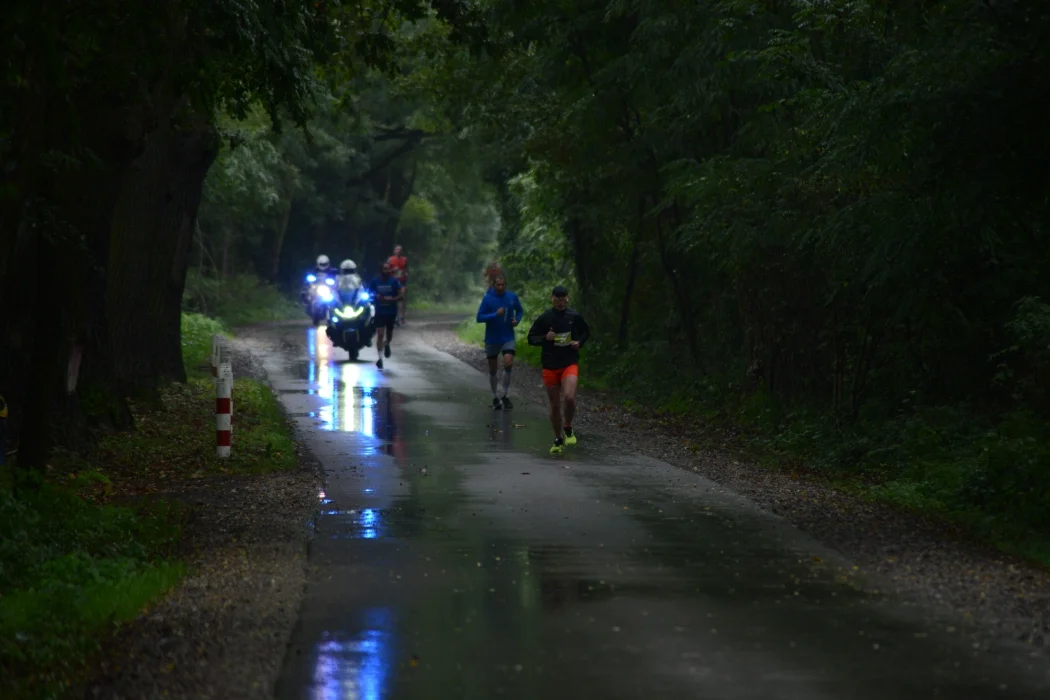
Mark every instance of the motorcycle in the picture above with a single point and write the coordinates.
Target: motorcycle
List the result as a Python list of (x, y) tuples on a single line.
[(350, 322), (319, 297)]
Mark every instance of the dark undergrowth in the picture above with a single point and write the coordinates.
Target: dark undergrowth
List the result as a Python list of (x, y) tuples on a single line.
[(94, 541)]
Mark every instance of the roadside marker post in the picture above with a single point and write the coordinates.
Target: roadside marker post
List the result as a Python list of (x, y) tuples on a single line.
[(223, 407)]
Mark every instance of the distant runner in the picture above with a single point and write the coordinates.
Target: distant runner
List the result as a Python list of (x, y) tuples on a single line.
[(387, 292), (492, 271), (561, 332), (399, 269), (500, 311)]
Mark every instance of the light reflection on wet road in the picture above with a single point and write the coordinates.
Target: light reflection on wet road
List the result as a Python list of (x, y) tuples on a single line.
[(455, 559)]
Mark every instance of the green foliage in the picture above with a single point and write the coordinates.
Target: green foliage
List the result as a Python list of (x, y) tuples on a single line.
[(71, 569), (825, 215), (237, 300), (363, 176), (79, 556), (197, 332)]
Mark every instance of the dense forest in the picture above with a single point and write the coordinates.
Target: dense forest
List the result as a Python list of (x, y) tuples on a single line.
[(827, 218)]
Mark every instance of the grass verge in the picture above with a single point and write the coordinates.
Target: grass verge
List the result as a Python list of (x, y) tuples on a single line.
[(94, 542), (449, 307)]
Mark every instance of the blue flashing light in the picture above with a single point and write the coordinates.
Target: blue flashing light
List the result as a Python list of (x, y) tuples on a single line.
[(311, 278)]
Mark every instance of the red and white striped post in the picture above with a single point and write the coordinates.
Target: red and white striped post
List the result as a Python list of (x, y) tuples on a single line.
[(223, 408)]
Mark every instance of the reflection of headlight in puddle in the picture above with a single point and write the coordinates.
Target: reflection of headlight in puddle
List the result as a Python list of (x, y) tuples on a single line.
[(357, 667), (324, 380)]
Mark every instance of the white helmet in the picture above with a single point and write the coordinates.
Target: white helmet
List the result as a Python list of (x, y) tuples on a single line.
[(322, 262), (347, 267)]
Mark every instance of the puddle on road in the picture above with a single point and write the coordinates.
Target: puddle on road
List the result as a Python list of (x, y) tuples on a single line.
[(487, 567), (353, 399), (357, 665)]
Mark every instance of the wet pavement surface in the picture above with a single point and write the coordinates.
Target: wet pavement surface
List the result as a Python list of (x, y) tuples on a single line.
[(455, 558)]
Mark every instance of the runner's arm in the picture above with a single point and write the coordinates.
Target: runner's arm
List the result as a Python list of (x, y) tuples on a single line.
[(400, 294), (582, 331), (484, 315), (538, 332), (519, 312)]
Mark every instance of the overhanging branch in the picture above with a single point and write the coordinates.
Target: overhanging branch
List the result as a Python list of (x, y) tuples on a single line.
[(412, 139)]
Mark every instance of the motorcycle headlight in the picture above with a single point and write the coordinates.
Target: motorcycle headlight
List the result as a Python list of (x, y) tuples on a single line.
[(324, 293), (348, 312)]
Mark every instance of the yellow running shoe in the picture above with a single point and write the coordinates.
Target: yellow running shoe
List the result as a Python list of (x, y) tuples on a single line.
[(570, 437), (557, 447)]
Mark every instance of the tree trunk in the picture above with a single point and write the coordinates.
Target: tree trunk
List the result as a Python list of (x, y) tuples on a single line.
[(685, 307), (581, 260), (151, 235), (71, 253), (278, 242), (632, 276)]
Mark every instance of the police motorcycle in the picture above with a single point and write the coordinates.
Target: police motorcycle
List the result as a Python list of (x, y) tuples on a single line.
[(320, 297), (319, 293), (350, 320)]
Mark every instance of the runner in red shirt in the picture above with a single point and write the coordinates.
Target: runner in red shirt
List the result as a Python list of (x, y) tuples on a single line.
[(399, 269), (492, 271)]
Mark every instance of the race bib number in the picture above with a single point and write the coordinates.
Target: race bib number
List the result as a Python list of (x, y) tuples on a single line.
[(563, 339)]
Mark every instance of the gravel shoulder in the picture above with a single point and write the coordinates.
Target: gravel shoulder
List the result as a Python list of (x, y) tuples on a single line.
[(223, 631), (910, 556)]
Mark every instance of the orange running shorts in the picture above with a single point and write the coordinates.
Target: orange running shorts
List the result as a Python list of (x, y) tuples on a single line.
[(553, 377)]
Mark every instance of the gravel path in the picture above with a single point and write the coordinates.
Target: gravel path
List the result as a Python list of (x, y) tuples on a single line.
[(915, 558), (223, 631)]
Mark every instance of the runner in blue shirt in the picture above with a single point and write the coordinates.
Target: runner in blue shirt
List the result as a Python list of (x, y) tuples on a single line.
[(500, 311), (386, 291)]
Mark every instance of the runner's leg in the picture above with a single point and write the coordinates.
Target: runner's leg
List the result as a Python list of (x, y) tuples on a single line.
[(554, 396), (380, 332), (508, 365), (568, 386), (389, 334), (491, 372)]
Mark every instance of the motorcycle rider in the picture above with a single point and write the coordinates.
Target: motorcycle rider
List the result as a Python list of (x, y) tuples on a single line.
[(348, 281), (322, 269)]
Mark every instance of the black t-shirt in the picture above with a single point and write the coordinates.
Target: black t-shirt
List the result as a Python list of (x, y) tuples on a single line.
[(568, 326)]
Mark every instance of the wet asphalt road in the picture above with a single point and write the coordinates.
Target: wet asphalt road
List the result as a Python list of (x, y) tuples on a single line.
[(455, 558)]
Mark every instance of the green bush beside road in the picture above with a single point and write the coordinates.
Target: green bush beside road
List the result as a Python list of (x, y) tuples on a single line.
[(93, 542)]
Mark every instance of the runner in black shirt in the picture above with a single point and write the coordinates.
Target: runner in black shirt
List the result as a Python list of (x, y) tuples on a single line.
[(561, 332)]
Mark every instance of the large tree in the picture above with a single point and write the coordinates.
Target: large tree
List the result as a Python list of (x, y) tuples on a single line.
[(109, 123)]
